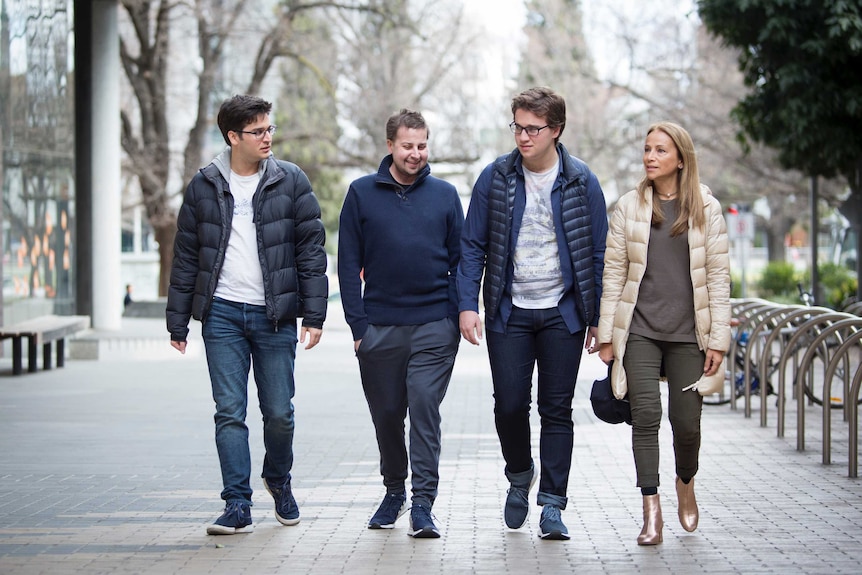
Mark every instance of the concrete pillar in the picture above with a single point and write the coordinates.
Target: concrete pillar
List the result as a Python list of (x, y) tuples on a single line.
[(106, 202)]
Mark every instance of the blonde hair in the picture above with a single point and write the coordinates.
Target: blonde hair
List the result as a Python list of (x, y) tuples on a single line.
[(688, 181)]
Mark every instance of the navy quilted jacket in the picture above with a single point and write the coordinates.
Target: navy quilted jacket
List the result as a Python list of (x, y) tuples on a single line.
[(491, 229)]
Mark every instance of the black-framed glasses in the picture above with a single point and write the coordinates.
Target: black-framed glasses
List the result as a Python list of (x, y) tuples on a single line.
[(531, 130), (258, 134)]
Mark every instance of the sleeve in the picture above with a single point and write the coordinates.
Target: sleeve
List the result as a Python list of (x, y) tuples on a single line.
[(310, 253), (351, 248), (615, 272), (717, 276), (474, 245), (184, 268), (453, 245), (599, 224)]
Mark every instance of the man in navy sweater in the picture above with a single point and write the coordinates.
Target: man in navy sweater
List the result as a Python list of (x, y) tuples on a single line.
[(400, 233)]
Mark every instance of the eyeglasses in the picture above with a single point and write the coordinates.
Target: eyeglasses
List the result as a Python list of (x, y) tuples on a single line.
[(258, 134), (531, 130)]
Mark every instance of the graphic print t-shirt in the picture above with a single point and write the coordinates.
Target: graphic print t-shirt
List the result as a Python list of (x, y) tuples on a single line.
[(538, 282)]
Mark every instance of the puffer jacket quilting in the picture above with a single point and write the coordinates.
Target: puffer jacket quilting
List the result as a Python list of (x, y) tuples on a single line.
[(290, 238), (576, 227), (625, 265)]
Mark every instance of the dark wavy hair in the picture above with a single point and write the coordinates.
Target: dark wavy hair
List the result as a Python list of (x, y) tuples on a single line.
[(239, 111)]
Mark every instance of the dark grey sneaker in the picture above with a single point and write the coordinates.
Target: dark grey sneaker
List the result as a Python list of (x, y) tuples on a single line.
[(551, 525), (394, 505), (235, 519), (286, 509), (517, 509), (422, 523)]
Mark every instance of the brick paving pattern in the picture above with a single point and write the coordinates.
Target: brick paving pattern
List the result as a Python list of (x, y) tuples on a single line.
[(109, 466)]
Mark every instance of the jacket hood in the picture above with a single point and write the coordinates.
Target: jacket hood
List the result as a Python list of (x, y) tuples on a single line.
[(222, 162)]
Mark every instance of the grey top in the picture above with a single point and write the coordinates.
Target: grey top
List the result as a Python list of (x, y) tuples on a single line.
[(665, 305)]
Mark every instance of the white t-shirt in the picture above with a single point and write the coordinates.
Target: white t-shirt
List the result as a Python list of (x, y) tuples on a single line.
[(538, 281), (241, 279)]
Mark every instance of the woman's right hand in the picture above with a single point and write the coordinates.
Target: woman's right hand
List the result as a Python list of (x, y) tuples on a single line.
[(606, 352)]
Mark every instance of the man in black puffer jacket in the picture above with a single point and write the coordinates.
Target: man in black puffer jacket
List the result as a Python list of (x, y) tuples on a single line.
[(248, 261)]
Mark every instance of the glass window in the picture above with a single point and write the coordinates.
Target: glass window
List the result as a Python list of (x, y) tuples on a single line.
[(37, 140)]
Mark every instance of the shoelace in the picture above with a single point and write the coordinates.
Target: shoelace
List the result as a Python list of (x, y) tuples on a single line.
[(551, 513), (233, 508), (426, 513)]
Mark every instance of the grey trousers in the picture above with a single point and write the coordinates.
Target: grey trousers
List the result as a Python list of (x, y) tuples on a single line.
[(408, 368), (683, 365)]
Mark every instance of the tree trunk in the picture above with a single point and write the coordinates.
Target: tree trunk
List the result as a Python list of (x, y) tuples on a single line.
[(775, 243), (165, 233)]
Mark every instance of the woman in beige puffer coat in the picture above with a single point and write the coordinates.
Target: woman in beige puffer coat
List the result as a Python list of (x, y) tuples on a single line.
[(665, 311)]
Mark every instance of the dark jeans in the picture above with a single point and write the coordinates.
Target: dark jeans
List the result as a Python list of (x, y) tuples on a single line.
[(683, 365), (237, 335), (536, 338), (408, 367)]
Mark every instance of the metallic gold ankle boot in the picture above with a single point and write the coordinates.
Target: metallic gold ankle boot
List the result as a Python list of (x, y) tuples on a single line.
[(688, 514), (651, 533)]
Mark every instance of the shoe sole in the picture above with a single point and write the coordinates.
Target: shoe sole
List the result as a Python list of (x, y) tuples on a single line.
[(554, 536), (224, 530), (282, 520), (529, 488), (425, 534)]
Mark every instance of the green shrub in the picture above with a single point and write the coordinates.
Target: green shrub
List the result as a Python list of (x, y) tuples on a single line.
[(836, 282), (735, 286), (778, 282)]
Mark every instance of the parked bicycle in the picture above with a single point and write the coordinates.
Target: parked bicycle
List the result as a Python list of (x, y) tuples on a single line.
[(723, 397), (812, 387)]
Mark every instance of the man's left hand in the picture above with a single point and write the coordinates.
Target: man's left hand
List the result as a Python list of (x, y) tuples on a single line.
[(313, 334)]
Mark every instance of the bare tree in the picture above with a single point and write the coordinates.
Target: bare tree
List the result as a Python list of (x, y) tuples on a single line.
[(557, 55), (674, 71), (416, 56), (260, 32)]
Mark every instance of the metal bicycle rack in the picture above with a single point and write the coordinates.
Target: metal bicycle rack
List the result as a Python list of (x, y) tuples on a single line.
[(852, 324)]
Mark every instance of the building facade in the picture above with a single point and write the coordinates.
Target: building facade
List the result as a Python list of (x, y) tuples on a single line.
[(60, 160)]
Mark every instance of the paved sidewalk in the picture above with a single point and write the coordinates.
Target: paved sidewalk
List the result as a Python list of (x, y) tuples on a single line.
[(109, 466)]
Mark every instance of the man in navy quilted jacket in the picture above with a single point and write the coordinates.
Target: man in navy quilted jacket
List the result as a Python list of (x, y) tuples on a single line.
[(536, 230)]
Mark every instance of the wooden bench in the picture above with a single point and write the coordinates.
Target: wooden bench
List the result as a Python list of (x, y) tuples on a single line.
[(42, 330)]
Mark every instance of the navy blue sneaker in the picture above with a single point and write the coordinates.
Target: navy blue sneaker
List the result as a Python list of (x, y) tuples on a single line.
[(422, 523), (551, 525), (517, 509), (286, 509), (394, 505), (235, 519)]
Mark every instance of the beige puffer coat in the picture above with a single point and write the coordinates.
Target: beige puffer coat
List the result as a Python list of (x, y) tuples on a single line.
[(625, 264)]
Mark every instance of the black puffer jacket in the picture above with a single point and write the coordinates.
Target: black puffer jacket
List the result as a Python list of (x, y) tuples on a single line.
[(290, 239)]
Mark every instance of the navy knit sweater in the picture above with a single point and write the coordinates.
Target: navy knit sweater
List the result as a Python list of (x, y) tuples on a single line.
[(405, 243)]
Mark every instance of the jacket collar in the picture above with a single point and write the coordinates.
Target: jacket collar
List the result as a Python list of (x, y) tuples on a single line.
[(384, 176)]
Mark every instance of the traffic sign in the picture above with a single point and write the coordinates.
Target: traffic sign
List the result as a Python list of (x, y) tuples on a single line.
[(740, 226)]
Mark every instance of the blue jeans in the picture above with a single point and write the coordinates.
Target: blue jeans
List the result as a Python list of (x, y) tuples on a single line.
[(536, 338), (237, 336)]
